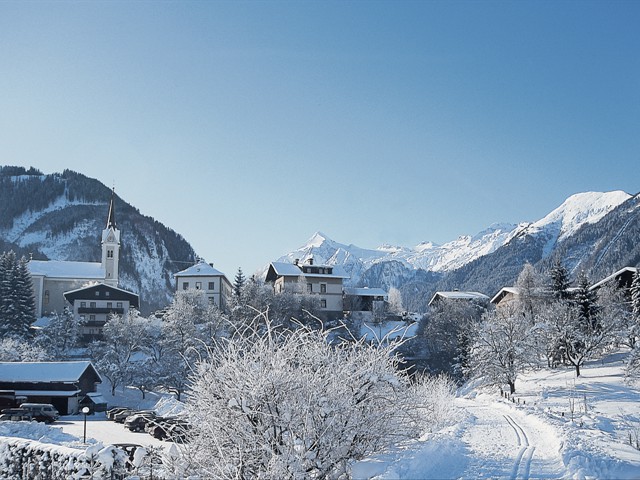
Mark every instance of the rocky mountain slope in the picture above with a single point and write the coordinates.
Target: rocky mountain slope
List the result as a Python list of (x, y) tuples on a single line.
[(61, 217), (591, 231)]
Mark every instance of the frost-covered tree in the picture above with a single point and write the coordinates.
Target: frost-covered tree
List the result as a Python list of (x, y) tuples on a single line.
[(395, 301), (446, 331), (287, 404), (17, 301), (635, 307), (123, 337), (586, 301), (19, 350), (60, 335), (500, 349), (530, 291)]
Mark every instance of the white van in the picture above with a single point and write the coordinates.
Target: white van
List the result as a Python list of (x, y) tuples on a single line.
[(42, 412)]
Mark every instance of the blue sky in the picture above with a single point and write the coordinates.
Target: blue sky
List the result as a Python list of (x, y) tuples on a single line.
[(248, 126)]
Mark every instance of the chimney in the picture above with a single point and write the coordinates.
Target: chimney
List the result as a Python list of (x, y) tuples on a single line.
[(295, 262), (310, 260)]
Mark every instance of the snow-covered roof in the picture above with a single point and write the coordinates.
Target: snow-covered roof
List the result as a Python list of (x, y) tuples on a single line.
[(43, 371), (613, 276), (102, 285), (65, 269), (365, 292), (285, 269), (458, 295), (503, 291), (201, 269)]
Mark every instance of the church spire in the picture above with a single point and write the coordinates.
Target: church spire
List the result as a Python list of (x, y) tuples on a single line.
[(111, 219)]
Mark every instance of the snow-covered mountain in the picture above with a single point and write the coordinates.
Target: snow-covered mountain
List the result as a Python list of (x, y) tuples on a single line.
[(514, 245)]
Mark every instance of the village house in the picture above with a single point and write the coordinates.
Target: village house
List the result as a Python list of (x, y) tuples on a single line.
[(212, 282), (93, 305), (325, 281)]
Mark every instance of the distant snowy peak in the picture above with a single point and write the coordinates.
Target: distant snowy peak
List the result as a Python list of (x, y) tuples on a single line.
[(577, 210)]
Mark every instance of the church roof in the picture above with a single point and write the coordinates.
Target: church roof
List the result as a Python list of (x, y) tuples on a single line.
[(66, 269)]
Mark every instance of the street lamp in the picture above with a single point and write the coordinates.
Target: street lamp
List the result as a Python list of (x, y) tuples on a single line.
[(85, 410)]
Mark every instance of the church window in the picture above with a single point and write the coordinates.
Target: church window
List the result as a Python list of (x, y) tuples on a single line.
[(109, 253)]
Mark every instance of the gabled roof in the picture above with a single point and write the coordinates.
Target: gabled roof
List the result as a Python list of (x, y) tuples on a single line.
[(284, 269), (503, 293), (457, 295), (201, 269), (626, 271), (365, 292), (115, 293), (48, 372), (64, 269)]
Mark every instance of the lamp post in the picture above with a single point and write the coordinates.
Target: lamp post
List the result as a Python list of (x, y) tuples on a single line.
[(85, 410)]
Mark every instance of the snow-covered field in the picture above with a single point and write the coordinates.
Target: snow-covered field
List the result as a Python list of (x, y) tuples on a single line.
[(555, 426), (532, 435)]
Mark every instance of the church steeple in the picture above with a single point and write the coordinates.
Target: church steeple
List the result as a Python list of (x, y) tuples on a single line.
[(111, 246), (111, 218)]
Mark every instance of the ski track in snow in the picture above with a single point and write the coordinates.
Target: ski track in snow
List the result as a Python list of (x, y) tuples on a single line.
[(503, 444)]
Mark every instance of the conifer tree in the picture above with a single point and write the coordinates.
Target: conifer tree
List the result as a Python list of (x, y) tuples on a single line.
[(17, 304), (559, 281), (238, 284)]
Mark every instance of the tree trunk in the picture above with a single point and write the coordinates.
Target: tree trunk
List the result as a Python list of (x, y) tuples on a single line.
[(577, 369), (512, 387)]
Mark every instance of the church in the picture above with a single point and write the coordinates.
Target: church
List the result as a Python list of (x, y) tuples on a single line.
[(89, 289)]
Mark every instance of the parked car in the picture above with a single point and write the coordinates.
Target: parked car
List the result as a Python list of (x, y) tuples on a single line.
[(138, 421), (168, 428), (42, 412), (121, 416), (112, 411)]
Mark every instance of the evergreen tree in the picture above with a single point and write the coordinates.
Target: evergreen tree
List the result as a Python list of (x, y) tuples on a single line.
[(559, 281), (238, 283), (17, 303), (635, 297), (586, 301)]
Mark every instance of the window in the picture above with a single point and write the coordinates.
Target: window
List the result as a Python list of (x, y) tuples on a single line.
[(323, 303), (92, 304), (92, 318), (323, 288), (109, 253), (119, 305), (106, 294), (309, 287), (212, 286), (83, 304), (97, 293), (185, 285), (109, 305), (46, 297), (198, 285)]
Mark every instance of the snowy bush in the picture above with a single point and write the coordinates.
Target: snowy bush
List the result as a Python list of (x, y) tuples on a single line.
[(286, 404), (433, 398), (20, 458)]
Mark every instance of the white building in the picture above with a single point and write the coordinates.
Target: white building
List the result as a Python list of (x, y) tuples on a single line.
[(322, 280), (212, 282)]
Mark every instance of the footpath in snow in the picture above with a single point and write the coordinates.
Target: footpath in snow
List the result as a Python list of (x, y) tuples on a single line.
[(556, 426)]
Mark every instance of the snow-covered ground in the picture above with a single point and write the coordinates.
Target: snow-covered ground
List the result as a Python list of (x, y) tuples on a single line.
[(533, 434)]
